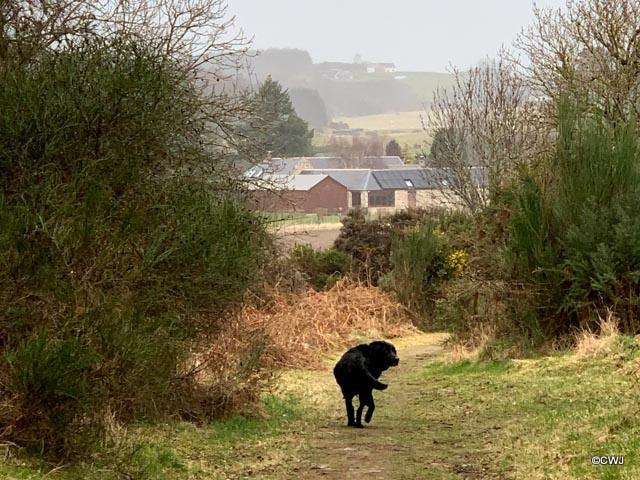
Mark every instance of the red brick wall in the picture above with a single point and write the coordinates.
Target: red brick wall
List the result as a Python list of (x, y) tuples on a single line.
[(326, 196)]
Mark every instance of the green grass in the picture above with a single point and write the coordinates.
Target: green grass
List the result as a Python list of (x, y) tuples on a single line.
[(522, 419), (548, 417), (282, 219), (387, 122), (239, 447), (424, 84)]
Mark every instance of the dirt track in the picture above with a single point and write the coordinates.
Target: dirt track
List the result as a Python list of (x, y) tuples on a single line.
[(315, 238), (414, 434)]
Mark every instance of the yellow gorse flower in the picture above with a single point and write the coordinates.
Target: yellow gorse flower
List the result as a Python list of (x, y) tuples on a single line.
[(457, 261)]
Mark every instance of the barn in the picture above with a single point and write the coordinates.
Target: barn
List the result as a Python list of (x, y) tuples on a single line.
[(302, 193)]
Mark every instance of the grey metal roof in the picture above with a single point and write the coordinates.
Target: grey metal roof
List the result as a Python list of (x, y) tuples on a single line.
[(352, 178), (304, 182), (424, 178)]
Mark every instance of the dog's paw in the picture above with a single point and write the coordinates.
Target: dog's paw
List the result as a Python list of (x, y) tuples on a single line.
[(358, 425)]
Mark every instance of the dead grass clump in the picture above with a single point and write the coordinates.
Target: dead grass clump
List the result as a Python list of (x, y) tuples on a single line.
[(600, 343), (474, 345), (299, 329), (225, 375)]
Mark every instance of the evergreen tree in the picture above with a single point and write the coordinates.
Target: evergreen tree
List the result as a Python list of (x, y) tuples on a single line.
[(284, 133), (393, 149)]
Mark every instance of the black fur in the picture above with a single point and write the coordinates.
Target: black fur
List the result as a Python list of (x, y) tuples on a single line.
[(357, 373)]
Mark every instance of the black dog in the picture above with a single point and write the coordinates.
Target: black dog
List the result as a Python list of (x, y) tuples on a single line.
[(357, 373)]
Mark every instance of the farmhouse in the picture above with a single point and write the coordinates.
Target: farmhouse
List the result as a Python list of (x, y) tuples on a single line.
[(385, 191), (381, 67)]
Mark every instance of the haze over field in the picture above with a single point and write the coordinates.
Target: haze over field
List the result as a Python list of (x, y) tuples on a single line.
[(416, 35)]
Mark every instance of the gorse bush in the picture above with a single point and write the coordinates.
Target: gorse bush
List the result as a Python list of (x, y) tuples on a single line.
[(421, 261), (321, 268), (369, 242), (574, 237), (120, 245)]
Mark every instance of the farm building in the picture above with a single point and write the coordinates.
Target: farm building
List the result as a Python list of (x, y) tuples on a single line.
[(382, 185), (301, 193), (388, 190)]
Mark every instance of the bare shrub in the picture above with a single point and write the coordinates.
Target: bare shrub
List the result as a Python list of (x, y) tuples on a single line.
[(588, 50)]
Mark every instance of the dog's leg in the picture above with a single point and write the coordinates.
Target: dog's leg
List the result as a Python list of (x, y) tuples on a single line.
[(371, 406), (350, 420), (363, 402)]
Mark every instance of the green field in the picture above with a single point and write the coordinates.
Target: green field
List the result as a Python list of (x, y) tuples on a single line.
[(405, 127), (424, 84), (385, 122)]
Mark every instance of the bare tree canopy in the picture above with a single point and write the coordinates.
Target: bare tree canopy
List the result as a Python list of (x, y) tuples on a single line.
[(196, 32), (590, 50), (482, 131)]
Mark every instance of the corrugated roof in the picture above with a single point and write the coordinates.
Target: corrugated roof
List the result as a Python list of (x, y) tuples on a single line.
[(423, 178), (353, 179), (273, 168)]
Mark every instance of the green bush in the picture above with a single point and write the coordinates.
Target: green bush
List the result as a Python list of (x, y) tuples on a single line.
[(420, 262), (573, 237), (120, 247), (368, 243), (321, 268)]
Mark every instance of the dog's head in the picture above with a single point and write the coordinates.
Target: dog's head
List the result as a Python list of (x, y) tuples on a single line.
[(384, 354)]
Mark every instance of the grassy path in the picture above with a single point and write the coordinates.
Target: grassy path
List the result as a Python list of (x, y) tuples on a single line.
[(529, 419), (532, 419), (415, 432)]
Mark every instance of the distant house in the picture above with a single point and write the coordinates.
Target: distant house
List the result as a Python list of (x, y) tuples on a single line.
[(388, 190), (381, 68)]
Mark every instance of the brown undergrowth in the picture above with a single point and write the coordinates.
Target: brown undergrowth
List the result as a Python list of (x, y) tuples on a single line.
[(298, 329)]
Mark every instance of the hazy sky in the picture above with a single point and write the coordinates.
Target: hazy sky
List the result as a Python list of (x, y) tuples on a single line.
[(426, 35)]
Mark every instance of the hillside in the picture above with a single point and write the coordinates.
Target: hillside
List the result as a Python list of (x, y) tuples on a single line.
[(345, 89)]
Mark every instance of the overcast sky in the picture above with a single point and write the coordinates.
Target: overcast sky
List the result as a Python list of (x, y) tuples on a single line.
[(423, 35)]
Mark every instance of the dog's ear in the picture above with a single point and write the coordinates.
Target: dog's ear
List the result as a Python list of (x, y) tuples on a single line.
[(364, 348)]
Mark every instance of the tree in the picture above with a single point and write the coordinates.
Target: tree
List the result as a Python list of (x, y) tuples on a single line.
[(284, 134), (195, 32), (354, 149), (484, 132), (590, 51), (393, 149)]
